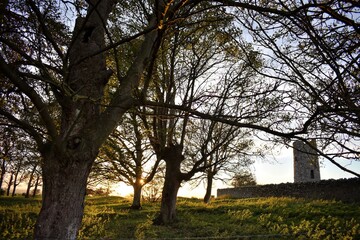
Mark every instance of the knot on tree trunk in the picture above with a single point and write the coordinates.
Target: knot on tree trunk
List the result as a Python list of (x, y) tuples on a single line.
[(73, 143)]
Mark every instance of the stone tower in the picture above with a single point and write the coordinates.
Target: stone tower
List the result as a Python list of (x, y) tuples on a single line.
[(306, 162)]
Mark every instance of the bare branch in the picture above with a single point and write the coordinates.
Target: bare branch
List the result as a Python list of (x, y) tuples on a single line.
[(31, 93)]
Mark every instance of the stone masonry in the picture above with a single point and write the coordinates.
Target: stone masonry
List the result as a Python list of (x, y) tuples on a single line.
[(306, 162)]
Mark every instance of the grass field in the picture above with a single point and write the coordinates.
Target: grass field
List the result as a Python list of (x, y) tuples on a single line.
[(262, 218)]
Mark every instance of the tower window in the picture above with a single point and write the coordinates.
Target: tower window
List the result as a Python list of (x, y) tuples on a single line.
[(312, 174)]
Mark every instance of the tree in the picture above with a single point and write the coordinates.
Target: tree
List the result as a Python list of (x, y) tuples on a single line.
[(10, 183), (7, 149), (25, 164), (17, 176), (17, 152), (38, 183), (189, 57), (277, 107), (318, 72), (61, 76), (152, 191), (243, 178), (126, 157), (33, 178), (234, 153)]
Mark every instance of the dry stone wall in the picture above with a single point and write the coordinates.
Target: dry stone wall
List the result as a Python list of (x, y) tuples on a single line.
[(347, 190)]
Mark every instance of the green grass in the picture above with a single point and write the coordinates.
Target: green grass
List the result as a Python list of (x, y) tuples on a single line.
[(258, 218)]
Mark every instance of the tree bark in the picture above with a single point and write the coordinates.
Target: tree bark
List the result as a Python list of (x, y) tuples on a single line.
[(209, 179), (173, 157), (136, 204), (68, 157), (64, 185)]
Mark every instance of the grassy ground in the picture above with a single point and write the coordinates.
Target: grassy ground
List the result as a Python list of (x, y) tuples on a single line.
[(263, 218)]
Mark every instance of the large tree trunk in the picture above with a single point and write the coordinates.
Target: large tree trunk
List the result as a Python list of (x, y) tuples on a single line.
[(136, 204), (168, 200), (64, 186), (209, 179), (68, 157), (173, 157)]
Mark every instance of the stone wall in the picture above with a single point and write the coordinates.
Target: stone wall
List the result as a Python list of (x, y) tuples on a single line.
[(347, 190)]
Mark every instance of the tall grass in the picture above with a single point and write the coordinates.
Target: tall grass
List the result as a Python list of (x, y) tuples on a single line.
[(17, 217), (258, 218)]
